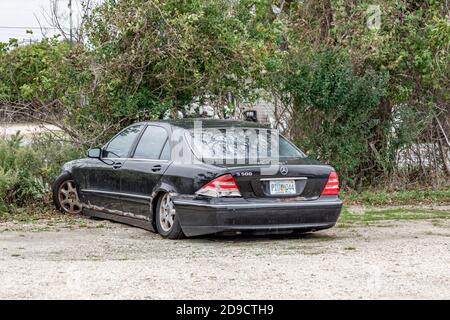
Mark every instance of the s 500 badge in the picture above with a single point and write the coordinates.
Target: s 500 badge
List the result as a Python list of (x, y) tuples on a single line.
[(244, 174)]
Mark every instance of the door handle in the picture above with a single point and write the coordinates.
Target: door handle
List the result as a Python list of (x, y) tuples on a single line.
[(156, 168), (117, 165)]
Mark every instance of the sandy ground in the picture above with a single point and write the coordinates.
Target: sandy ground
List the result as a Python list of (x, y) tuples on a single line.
[(88, 259)]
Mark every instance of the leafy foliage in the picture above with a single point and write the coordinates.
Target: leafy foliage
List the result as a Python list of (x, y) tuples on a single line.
[(155, 56), (34, 72), (27, 171), (334, 108)]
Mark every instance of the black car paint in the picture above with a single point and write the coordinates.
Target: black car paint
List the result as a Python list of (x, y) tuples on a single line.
[(127, 189)]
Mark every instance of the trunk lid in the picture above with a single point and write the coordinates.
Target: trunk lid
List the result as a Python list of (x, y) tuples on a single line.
[(261, 181)]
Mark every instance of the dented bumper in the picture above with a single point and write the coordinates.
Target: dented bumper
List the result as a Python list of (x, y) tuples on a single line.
[(207, 216)]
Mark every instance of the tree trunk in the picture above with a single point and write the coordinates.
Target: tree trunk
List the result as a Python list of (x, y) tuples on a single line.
[(327, 20), (445, 159)]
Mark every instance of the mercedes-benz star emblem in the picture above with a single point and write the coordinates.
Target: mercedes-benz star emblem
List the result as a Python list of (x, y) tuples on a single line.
[(284, 171)]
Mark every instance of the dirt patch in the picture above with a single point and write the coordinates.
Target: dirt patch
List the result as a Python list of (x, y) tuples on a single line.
[(89, 259)]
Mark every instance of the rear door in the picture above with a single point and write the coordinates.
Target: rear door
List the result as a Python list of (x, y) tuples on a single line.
[(143, 170), (102, 188)]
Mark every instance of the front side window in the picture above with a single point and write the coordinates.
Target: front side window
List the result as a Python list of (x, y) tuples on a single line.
[(151, 144), (120, 145)]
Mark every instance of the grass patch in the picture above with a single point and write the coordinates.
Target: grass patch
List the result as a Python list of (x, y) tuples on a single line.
[(366, 216), (27, 215), (404, 197)]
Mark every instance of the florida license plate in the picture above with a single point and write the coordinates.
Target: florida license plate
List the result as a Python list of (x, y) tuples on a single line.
[(282, 187)]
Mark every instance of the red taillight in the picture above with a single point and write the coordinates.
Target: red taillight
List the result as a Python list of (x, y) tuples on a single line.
[(332, 186), (223, 186)]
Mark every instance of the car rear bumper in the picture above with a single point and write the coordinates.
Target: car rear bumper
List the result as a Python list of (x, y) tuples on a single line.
[(199, 217)]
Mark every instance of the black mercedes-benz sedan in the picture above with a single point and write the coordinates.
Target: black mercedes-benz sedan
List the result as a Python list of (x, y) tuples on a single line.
[(193, 177)]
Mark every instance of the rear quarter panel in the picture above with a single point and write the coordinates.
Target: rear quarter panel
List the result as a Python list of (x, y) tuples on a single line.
[(186, 179)]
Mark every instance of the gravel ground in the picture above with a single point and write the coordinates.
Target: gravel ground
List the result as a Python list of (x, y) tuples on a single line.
[(80, 258)]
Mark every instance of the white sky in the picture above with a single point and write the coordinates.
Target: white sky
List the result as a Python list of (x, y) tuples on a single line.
[(18, 15)]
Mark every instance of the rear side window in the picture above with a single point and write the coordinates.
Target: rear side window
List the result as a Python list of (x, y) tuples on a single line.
[(120, 145), (152, 143), (165, 154)]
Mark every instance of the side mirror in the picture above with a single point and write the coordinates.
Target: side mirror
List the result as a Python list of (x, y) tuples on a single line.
[(94, 153)]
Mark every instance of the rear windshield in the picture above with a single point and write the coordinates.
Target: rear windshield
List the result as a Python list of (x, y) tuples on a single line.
[(253, 145)]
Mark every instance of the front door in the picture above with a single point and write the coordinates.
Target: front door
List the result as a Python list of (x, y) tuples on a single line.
[(142, 172), (102, 177)]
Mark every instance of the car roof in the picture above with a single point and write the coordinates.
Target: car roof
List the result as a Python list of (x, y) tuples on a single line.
[(188, 123)]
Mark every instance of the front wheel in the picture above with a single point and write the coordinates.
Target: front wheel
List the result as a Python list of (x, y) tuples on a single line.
[(167, 222), (65, 195)]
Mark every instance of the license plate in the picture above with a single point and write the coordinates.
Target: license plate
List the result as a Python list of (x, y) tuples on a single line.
[(282, 187)]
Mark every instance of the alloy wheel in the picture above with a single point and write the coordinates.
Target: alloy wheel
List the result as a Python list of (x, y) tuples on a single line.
[(68, 197), (166, 213)]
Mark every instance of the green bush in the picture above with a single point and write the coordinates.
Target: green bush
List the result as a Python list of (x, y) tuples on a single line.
[(35, 73), (334, 109), (27, 171)]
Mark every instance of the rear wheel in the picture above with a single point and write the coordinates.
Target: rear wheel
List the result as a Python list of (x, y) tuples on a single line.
[(65, 195), (167, 222)]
